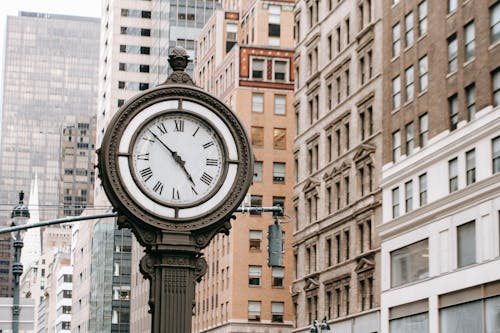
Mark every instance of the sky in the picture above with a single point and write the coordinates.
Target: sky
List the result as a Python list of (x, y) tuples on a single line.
[(90, 8), (69, 7)]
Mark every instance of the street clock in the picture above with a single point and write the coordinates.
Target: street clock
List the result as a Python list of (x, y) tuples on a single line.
[(175, 158)]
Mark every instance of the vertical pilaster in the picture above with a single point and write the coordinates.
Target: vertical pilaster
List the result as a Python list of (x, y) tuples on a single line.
[(172, 290)]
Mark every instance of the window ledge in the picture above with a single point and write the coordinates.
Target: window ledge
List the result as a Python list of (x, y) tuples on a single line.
[(470, 61), (423, 92), (449, 75)]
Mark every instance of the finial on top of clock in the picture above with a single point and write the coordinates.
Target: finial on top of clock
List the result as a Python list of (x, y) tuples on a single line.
[(178, 60)]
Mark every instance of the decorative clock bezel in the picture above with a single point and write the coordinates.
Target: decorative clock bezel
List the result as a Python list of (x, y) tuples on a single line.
[(227, 197)]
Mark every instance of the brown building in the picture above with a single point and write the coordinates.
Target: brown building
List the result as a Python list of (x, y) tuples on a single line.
[(338, 155), (77, 165), (440, 63), (245, 57)]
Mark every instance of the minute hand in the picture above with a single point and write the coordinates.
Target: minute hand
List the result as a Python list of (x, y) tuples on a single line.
[(176, 157)]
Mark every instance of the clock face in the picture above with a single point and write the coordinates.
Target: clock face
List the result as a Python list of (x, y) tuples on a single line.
[(177, 158)]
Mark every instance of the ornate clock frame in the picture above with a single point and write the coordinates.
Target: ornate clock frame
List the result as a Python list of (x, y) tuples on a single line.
[(173, 260)]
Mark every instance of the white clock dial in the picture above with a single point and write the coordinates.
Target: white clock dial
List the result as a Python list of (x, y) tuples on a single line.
[(177, 159)]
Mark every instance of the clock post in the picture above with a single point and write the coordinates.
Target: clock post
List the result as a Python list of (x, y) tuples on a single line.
[(175, 163)]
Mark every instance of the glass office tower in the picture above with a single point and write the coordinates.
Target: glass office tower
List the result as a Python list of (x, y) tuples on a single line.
[(51, 67)]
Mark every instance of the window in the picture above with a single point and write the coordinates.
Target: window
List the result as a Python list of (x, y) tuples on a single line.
[(274, 20), (279, 201), (396, 93), (409, 138), (415, 323), (470, 99), (452, 5), (280, 104), (396, 40), (135, 31), (466, 244), (362, 69), (495, 23), (257, 68), (395, 202), (422, 18), (453, 318), (366, 293), (330, 46), (280, 70), (257, 136), (470, 44), (452, 53), (279, 172), (257, 102), (277, 309), (366, 122), (346, 190), (409, 29), (347, 31), (255, 201), (453, 107), (422, 189), (409, 196), (347, 244), (423, 76), (495, 145), (409, 83), (495, 78), (253, 310), (231, 36), (338, 248), (453, 174), (338, 38), (423, 121), (255, 239), (396, 146), (257, 171), (278, 275), (410, 263), (279, 138), (470, 164), (254, 273)]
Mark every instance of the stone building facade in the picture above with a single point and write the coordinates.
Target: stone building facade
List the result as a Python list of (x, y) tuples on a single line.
[(338, 154)]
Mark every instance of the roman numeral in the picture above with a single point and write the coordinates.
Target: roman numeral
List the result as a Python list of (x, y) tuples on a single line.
[(175, 194), (196, 131), (146, 174), (158, 187), (179, 125), (144, 157), (206, 178), (212, 162), (161, 127), (208, 144), (194, 191)]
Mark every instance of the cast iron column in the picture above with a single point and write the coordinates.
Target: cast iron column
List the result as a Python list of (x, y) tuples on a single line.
[(20, 214), (17, 271), (173, 271)]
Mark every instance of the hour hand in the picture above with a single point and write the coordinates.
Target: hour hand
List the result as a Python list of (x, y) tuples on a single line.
[(176, 157), (182, 164)]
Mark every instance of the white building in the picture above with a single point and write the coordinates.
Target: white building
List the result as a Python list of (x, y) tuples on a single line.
[(440, 233), (64, 288)]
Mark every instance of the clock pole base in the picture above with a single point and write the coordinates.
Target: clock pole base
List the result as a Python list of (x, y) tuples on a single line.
[(172, 278)]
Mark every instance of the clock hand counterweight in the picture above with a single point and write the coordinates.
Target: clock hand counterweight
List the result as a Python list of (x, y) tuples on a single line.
[(176, 157)]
